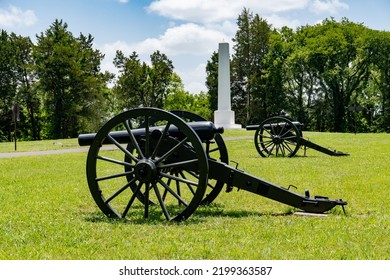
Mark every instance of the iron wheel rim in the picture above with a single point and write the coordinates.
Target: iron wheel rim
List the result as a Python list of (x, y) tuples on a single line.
[(116, 201), (277, 136)]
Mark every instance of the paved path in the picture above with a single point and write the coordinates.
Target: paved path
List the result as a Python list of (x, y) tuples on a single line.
[(40, 153), (81, 150), (49, 152)]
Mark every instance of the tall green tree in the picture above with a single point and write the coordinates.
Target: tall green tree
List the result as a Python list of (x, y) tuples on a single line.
[(336, 53), (294, 71), (379, 50), (139, 84), (274, 95), (69, 74), (301, 82), (132, 75), (28, 95), (241, 68), (8, 82), (212, 81), (160, 77), (260, 33), (18, 87), (257, 69), (179, 99)]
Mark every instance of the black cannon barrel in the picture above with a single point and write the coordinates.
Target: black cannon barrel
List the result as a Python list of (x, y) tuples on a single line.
[(268, 126), (204, 129), (252, 127)]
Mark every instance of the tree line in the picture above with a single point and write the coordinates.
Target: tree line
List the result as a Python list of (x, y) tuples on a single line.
[(333, 76), (61, 90)]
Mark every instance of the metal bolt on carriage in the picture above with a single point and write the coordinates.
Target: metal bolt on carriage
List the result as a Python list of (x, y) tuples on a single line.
[(149, 162)]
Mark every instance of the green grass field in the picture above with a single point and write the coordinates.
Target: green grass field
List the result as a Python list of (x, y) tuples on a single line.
[(47, 212)]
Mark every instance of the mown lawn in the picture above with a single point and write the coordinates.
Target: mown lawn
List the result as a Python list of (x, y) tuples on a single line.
[(44, 145), (47, 212)]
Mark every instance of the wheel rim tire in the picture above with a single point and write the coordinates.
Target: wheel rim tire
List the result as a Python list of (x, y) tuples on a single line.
[(277, 136), (115, 198)]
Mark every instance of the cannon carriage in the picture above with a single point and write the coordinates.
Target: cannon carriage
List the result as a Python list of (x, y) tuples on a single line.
[(168, 164), (280, 136)]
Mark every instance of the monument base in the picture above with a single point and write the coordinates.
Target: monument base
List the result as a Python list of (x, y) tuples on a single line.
[(225, 119)]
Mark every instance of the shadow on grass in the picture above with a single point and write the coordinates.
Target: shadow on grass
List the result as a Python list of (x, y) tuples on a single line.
[(274, 157), (199, 216)]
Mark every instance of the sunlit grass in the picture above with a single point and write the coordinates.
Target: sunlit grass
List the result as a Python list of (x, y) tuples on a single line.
[(47, 211)]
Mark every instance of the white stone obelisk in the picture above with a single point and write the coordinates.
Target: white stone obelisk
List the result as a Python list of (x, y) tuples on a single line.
[(224, 116)]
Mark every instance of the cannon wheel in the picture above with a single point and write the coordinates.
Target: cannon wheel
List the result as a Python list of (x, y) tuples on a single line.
[(216, 150), (277, 136), (110, 185)]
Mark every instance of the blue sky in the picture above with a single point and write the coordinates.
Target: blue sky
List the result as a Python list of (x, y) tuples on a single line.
[(187, 31)]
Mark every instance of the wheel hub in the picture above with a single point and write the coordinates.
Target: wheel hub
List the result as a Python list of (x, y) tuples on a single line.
[(145, 170), (276, 139)]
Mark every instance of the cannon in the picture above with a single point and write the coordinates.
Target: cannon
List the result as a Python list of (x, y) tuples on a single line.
[(149, 162), (280, 136)]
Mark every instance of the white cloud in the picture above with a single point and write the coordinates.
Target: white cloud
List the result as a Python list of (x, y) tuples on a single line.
[(16, 17), (195, 27), (110, 48), (328, 6), (190, 68), (217, 11), (193, 78), (207, 11), (187, 39), (195, 11), (275, 6), (186, 45)]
